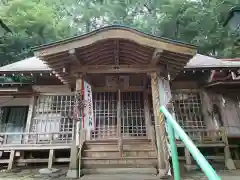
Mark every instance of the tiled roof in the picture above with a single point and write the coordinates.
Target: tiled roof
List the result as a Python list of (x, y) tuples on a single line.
[(29, 64)]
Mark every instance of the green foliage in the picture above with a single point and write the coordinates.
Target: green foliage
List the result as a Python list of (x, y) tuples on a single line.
[(36, 22), (33, 23)]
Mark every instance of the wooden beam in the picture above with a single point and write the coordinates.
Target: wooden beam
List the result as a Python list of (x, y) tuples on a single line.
[(156, 56), (116, 52), (74, 57), (115, 89), (117, 69)]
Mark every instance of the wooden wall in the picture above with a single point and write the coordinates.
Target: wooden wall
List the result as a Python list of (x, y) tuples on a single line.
[(229, 112), (229, 108), (52, 88), (11, 101)]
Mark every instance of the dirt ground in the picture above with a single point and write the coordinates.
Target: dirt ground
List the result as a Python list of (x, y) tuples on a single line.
[(32, 173)]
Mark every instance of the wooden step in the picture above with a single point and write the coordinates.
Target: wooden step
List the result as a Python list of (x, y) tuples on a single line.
[(117, 162), (115, 141), (116, 153), (120, 171), (113, 144)]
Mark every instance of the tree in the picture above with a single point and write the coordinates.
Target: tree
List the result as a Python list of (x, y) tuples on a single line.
[(33, 23), (36, 22)]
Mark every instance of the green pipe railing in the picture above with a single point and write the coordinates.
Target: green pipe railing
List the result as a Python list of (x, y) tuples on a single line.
[(173, 126)]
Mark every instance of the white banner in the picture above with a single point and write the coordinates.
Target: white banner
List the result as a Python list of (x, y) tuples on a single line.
[(89, 122), (164, 91)]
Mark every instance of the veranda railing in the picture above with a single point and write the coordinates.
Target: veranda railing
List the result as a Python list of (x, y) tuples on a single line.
[(172, 128)]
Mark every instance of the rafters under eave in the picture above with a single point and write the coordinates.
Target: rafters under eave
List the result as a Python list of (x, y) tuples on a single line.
[(115, 48)]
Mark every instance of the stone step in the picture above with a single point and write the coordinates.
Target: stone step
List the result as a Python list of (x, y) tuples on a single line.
[(110, 171), (117, 162)]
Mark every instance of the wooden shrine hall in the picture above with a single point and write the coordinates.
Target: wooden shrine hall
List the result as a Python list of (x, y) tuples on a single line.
[(97, 96)]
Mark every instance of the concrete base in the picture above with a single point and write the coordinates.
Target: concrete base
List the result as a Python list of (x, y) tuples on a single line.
[(72, 173), (163, 174), (230, 164), (190, 167), (48, 170)]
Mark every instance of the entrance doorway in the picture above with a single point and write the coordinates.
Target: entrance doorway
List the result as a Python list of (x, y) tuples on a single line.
[(132, 122)]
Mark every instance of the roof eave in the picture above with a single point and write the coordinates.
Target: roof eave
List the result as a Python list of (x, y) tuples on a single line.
[(113, 27)]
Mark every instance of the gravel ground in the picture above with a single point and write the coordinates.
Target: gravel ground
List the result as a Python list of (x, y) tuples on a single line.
[(33, 174)]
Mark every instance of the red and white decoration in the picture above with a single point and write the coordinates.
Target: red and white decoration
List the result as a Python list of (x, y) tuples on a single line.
[(88, 122)]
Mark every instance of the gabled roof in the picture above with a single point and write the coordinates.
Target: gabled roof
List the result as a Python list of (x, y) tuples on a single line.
[(118, 49), (32, 64), (116, 31)]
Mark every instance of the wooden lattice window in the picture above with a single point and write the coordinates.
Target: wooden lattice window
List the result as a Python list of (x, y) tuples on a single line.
[(53, 113), (187, 108)]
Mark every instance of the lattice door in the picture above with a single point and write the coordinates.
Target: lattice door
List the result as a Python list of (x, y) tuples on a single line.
[(133, 119), (105, 115)]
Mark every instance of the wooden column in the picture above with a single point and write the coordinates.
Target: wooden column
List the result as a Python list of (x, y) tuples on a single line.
[(50, 158), (147, 116), (11, 159), (30, 113), (188, 157), (74, 163), (119, 123), (159, 127)]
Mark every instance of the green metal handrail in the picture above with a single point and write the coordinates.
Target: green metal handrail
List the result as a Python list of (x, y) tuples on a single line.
[(173, 126)]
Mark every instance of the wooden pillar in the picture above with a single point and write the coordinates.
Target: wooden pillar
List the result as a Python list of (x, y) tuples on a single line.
[(50, 158), (229, 163), (148, 123), (11, 159), (189, 166), (159, 127), (119, 123), (30, 115), (74, 163)]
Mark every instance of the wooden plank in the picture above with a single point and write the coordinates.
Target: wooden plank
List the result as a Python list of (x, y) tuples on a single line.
[(34, 147), (128, 34), (4, 161), (50, 158), (103, 69), (11, 159), (207, 157), (205, 145), (41, 160)]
